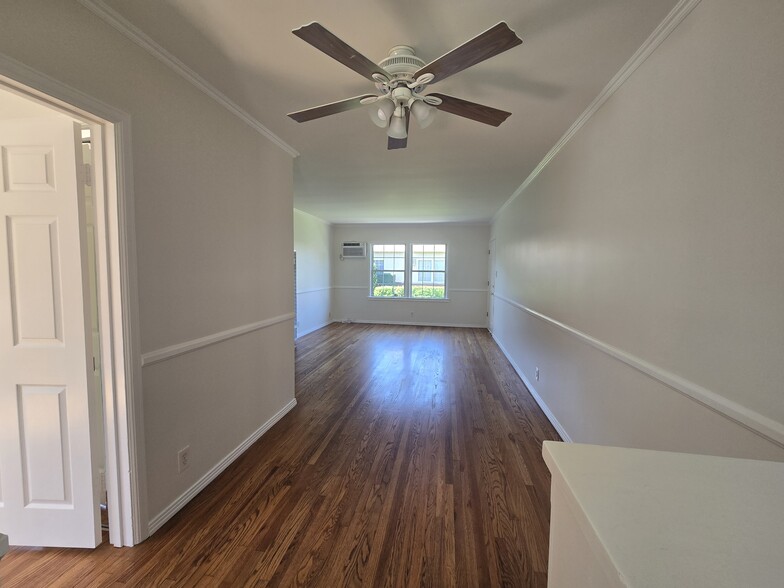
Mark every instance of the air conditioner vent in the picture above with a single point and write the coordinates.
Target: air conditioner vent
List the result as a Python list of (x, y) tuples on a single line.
[(353, 250)]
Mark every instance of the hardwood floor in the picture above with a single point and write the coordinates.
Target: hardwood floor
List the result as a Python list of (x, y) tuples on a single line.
[(413, 458)]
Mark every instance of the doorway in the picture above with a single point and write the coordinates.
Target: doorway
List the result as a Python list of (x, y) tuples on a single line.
[(110, 440), (295, 296), (491, 276)]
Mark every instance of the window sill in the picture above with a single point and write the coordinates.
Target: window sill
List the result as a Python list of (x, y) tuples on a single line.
[(409, 298)]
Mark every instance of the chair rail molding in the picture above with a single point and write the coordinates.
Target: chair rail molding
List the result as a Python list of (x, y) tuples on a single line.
[(757, 423), (165, 353)]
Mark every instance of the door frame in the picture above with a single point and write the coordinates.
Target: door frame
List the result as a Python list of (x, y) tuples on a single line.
[(491, 275), (117, 295)]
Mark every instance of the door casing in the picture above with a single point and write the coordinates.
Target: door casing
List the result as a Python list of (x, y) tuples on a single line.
[(491, 275), (118, 298)]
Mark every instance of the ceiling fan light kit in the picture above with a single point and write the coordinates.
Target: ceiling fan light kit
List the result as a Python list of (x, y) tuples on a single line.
[(382, 112), (402, 76), (397, 128), (423, 113)]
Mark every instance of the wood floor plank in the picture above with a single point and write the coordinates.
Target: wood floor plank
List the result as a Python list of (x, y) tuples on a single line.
[(413, 458)]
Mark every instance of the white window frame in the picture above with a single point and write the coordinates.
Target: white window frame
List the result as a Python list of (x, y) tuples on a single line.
[(404, 270), (432, 271), (408, 272)]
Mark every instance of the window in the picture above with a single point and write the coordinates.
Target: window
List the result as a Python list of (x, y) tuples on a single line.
[(388, 277), (428, 275), (415, 271)]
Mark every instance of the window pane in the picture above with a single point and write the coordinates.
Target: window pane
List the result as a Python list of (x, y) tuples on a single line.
[(388, 271), (428, 275)]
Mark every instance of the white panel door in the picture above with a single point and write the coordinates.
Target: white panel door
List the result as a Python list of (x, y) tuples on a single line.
[(48, 481)]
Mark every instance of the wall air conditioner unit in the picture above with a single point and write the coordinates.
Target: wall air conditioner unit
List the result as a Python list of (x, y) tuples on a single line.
[(353, 250)]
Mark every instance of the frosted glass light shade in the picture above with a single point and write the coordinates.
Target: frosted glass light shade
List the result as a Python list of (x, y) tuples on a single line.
[(397, 128), (381, 112), (423, 113)]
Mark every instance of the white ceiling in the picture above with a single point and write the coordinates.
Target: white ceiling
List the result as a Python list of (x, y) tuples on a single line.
[(456, 170)]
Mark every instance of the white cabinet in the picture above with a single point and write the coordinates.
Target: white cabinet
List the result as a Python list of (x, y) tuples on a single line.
[(631, 517)]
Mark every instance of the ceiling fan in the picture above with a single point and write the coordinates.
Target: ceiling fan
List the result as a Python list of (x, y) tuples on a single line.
[(401, 78)]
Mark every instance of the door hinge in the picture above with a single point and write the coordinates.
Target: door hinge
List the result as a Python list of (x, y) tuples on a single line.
[(88, 174), (488, 282), (93, 363), (487, 313)]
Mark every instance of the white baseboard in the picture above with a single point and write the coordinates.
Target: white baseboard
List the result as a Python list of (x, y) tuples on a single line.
[(545, 409), (162, 517), (313, 329)]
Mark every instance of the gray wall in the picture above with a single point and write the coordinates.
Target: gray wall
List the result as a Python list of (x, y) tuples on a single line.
[(214, 236), (312, 241), (643, 267), (466, 276)]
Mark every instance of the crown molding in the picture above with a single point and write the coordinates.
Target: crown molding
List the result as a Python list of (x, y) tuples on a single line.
[(135, 34), (669, 24)]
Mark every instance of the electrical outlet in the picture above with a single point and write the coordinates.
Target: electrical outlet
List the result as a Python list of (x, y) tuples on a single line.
[(184, 458), (537, 374)]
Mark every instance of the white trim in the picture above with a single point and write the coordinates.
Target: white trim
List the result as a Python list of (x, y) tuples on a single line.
[(171, 351), (483, 290), (670, 22), (402, 225), (310, 290), (102, 198), (409, 298), (314, 329), (542, 404), (119, 311), (135, 34), (754, 421), (162, 517), (411, 324)]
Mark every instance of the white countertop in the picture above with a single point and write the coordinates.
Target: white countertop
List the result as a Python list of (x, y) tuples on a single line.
[(659, 519)]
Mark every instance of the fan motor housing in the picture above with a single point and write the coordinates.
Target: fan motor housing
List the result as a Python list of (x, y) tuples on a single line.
[(402, 63)]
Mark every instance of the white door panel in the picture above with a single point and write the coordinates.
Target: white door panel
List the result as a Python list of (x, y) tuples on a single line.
[(36, 309), (48, 485)]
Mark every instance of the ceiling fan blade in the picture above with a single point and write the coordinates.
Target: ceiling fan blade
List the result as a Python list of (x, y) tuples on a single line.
[(400, 143), (324, 41), (327, 109), (493, 41), (472, 110)]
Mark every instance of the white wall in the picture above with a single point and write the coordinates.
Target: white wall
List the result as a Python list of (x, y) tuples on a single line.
[(213, 205), (466, 276), (656, 233), (312, 244)]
